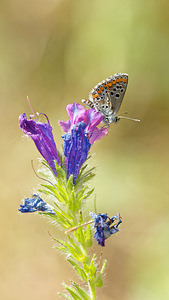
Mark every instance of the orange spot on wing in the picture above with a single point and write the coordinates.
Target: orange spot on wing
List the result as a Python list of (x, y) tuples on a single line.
[(125, 80), (121, 79), (110, 84), (117, 80), (114, 81), (102, 88), (99, 92), (105, 85), (95, 96)]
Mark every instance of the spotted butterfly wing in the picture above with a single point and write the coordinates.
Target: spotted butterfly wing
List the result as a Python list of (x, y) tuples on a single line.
[(107, 96)]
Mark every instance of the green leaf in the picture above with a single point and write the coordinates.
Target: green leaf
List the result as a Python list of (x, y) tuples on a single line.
[(71, 203), (80, 236), (89, 171), (62, 249), (103, 266), (60, 173), (88, 237), (44, 162), (70, 184), (67, 216), (54, 192), (45, 192), (78, 179), (81, 292), (92, 269), (80, 255), (80, 193), (72, 292), (84, 177), (89, 193), (89, 177), (63, 193), (99, 281), (64, 222), (65, 296), (86, 268), (78, 269), (79, 197)]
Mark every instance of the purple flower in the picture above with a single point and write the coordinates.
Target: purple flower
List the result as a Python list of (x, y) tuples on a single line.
[(41, 134), (81, 132), (76, 148), (90, 117), (35, 204), (104, 229)]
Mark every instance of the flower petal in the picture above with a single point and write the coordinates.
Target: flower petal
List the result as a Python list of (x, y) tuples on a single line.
[(35, 204), (41, 134), (75, 112), (104, 229), (97, 134), (66, 126), (92, 119), (76, 148)]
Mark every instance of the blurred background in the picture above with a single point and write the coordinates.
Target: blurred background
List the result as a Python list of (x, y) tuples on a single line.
[(55, 52)]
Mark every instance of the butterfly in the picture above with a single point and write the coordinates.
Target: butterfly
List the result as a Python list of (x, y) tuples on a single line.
[(107, 96)]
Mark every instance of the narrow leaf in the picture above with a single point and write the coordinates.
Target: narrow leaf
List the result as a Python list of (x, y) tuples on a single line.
[(72, 292), (78, 269), (65, 296), (92, 269), (81, 292), (88, 236)]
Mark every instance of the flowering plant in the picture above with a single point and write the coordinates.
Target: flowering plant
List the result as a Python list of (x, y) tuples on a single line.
[(69, 190)]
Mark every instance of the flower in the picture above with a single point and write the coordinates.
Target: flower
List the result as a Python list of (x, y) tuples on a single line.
[(35, 204), (41, 134), (90, 117), (104, 229), (76, 148), (81, 132)]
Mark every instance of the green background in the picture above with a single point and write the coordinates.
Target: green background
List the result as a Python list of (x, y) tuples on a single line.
[(55, 52)]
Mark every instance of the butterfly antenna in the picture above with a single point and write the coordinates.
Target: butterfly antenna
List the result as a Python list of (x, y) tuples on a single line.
[(122, 117)]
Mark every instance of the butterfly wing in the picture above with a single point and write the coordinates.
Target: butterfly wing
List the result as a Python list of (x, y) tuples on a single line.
[(107, 96), (117, 86)]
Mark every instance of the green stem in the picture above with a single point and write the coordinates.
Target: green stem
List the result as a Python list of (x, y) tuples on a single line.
[(92, 290)]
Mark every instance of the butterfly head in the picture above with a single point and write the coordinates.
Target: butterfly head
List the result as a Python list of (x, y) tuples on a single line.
[(111, 119)]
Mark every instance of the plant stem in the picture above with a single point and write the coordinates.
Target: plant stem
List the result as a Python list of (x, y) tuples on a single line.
[(92, 290)]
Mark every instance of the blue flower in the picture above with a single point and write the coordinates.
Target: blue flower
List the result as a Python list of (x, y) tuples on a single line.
[(76, 148), (41, 134), (35, 204), (104, 229)]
